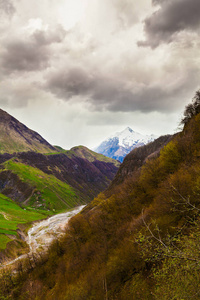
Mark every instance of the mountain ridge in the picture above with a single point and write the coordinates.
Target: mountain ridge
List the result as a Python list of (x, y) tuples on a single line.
[(17, 137), (118, 145)]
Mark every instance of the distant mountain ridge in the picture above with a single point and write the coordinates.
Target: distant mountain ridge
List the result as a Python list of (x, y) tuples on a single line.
[(16, 137), (81, 169), (85, 171), (120, 144)]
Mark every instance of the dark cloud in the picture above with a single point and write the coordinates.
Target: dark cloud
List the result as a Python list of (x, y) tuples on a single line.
[(24, 56), (173, 17), (104, 93), (32, 53), (7, 7), (66, 84)]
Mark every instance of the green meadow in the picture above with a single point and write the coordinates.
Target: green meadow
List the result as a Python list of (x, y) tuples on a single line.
[(51, 193), (11, 215), (50, 196)]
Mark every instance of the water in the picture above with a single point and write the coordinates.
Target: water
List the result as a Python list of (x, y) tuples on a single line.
[(42, 234)]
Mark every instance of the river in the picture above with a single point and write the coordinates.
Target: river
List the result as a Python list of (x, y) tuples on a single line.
[(42, 233)]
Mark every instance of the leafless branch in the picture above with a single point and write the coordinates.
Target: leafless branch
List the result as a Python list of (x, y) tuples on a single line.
[(152, 234)]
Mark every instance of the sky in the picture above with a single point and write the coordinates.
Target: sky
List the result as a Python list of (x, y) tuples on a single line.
[(77, 71)]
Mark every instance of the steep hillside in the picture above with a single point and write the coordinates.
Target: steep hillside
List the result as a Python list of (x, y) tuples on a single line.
[(28, 194), (141, 242), (137, 157), (46, 184), (86, 176), (15, 137), (30, 186), (43, 185), (120, 144), (84, 170)]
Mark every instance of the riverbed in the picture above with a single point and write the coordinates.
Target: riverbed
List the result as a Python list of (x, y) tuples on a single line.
[(42, 233)]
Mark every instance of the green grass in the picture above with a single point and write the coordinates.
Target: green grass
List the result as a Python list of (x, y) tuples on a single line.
[(50, 196), (11, 141), (11, 215), (3, 241), (50, 193)]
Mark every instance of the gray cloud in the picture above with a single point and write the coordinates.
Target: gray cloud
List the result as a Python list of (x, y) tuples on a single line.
[(103, 93), (156, 2), (66, 84), (95, 66), (48, 37), (24, 56), (32, 53), (173, 17), (7, 7)]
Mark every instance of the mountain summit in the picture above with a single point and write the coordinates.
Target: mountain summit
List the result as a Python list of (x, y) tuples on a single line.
[(16, 137), (121, 143)]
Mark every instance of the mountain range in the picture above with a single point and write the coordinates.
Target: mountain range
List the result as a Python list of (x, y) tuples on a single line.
[(120, 144), (38, 179)]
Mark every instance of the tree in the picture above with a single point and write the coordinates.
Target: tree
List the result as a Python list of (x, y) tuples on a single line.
[(191, 109)]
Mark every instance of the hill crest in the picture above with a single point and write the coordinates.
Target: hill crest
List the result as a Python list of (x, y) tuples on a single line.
[(16, 137)]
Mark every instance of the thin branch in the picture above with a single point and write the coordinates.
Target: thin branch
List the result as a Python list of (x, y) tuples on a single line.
[(186, 200), (151, 232)]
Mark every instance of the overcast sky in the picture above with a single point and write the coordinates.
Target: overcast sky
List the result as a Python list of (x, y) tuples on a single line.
[(76, 71)]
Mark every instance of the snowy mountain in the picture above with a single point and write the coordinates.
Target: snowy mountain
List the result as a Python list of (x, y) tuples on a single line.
[(120, 144)]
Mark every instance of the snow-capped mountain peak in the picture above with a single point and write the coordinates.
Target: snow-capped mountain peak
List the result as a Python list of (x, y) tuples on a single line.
[(121, 143)]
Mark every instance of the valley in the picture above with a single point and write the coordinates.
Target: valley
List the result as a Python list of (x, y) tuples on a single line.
[(138, 239), (99, 150), (38, 180)]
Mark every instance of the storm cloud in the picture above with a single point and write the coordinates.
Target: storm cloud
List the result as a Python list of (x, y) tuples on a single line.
[(76, 64), (173, 17), (102, 92), (24, 56)]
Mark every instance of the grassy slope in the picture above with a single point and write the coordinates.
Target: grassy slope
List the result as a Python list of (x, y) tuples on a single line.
[(11, 141), (50, 196), (11, 215), (50, 192), (10, 144)]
